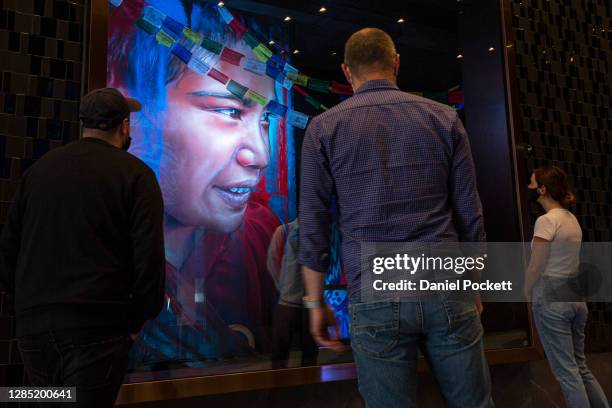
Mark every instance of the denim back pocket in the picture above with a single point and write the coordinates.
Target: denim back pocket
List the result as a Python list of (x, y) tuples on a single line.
[(374, 327), (464, 323)]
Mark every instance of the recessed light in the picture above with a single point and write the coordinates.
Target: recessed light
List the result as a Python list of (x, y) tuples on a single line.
[(459, 56), (220, 4), (322, 10), (271, 42), (296, 51), (491, 49), (400, 20), (334, 53), (288, 18)]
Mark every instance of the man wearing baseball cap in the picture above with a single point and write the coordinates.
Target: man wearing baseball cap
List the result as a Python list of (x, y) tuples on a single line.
[(83, 253)]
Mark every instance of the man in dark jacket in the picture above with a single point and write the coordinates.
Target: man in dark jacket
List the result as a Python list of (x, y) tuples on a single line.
[(82, 252)]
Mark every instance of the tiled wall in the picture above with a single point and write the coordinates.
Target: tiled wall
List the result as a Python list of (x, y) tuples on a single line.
[(563, 63), (40, 83)]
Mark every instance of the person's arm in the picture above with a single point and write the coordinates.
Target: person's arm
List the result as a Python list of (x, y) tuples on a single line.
[(10, 242), (147, 233), (275, 254), (321, 318), (543, 233), (537, 263), (316, 190), (467, 208)]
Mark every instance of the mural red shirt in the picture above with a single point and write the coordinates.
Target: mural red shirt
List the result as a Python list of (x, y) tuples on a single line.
[(219, 303)]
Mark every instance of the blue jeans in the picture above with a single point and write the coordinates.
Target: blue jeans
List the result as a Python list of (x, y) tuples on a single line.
[(561, 329), (385, 337)]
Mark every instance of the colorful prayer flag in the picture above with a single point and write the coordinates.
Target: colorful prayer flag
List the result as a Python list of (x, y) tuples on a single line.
[(299, 79), (197, 65), (250, 39), (172, 27), (257, 98), (297, 119), (239, 28), (219, 76), (316, 104), (272, 70), (132, 9), (341, 89), (276, 108), (287, 83), (455, 97), (319, 85), (237, 89), (290, 68), (212, 46), (153, 16), (231, 56), (300, 91), (181, 52), (195, 38), (257, 67), (262, 52), (164, 39), (226, 15), (146, 26)]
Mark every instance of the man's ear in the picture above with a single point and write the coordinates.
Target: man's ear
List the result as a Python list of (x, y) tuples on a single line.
[(397, 64), (125, 125), (347, 73)]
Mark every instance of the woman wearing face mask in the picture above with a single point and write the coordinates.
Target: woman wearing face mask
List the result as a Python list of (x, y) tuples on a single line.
[(560, 313)]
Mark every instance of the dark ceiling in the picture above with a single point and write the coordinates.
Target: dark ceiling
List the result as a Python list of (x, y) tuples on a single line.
[(428, 39)]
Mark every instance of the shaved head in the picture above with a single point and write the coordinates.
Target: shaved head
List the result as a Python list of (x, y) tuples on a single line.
[(370, 50)]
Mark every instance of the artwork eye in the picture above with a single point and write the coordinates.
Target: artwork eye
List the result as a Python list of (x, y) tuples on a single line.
[(233, 113)]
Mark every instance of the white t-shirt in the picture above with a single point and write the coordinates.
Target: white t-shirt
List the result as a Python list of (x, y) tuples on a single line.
[(561, 228)]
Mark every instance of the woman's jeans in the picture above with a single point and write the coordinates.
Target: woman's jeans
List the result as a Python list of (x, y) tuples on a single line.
[(561, 326), (385, 337)]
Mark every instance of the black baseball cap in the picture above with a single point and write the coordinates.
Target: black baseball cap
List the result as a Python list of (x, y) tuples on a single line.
[(105, 108)]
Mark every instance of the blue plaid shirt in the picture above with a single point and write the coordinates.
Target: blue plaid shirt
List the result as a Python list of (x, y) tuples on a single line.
[(401, 169)]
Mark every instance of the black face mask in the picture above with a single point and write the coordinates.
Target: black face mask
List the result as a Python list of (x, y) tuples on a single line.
[(533, 195), (127, 143)]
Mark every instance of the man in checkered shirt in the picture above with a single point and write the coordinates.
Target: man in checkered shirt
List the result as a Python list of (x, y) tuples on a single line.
[(402, 171)]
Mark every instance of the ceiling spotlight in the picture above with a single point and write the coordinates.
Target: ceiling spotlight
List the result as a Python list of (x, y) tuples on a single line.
[(287, 19), (400, 20), (334, 53), (220, 4), (271, 42), (296, 52), (491, 49), (459, 56), (322, 9)]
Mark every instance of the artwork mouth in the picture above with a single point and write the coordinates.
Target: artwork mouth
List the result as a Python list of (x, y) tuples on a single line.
[(236, 196)]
